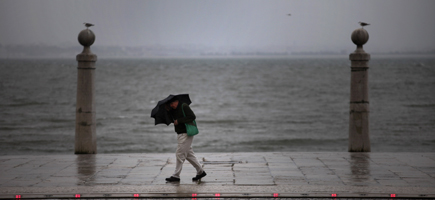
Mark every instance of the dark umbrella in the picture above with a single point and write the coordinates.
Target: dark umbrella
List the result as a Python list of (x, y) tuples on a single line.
[(161, 115)]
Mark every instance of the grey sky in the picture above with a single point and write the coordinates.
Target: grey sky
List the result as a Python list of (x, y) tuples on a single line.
[(396, 25)]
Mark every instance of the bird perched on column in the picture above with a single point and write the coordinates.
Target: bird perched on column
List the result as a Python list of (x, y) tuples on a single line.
[(363, 24), (88, 25)]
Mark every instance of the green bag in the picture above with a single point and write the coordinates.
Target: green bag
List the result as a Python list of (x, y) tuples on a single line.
[(191, 128)]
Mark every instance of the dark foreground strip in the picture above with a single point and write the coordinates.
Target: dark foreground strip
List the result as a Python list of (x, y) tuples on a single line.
[(216, 195)]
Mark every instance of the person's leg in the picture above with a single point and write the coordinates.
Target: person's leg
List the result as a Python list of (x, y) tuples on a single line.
[(183, 148), (193, 160), (200, 173)]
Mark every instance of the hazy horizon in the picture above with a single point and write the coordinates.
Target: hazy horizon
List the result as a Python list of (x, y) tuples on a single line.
[(396, 25)]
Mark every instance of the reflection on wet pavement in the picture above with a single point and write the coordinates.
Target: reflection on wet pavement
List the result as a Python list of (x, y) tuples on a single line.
[(284, 171)]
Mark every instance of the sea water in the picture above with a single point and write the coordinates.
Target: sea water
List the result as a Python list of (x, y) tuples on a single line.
[(242, 104)]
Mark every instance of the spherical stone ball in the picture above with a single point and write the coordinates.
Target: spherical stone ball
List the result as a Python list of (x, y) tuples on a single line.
[(86, 38), (360, 36)]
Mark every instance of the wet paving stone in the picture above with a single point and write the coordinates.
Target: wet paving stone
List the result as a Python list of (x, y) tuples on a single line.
[(280, 171)]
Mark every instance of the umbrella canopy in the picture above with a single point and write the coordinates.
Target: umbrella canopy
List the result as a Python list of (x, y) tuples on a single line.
[(161, 115)]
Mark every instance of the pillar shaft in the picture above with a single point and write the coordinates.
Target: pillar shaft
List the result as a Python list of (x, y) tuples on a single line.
[(359, 137), (85, 135)]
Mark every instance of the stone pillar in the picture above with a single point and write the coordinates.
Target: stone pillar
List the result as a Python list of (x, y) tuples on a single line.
[(359, 140), (85, 137)]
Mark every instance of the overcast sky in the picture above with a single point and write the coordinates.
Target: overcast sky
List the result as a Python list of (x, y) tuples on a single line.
[(395, 24)]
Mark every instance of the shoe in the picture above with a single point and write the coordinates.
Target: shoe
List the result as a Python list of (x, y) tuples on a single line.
[(197, 177), (172, 179)]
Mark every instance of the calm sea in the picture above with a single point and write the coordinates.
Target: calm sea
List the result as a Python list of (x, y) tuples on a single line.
[(241, 104)]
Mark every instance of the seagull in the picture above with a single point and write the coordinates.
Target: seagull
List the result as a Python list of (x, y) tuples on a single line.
[(363, 24), (88, 25), (289, 14)]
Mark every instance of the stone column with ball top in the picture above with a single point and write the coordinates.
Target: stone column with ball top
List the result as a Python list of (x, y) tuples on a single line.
[(359, 139), (85, 136)]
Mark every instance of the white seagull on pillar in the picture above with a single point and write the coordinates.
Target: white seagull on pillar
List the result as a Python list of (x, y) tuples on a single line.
[(363, 24), (88, 25)]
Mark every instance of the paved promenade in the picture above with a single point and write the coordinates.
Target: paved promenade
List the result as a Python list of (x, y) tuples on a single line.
[(229, 175)]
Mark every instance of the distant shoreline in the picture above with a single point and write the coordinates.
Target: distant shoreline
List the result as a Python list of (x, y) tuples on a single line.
[(51, 52), (319, 56)]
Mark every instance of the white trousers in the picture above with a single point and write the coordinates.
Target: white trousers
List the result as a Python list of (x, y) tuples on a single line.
[(185, 151)]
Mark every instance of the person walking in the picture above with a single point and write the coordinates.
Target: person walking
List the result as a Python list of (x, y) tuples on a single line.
[(184, 148)]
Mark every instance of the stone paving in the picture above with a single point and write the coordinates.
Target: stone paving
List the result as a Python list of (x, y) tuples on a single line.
[(277, 174)]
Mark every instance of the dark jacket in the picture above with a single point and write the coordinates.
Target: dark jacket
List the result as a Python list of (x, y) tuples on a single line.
[(177, 114)]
